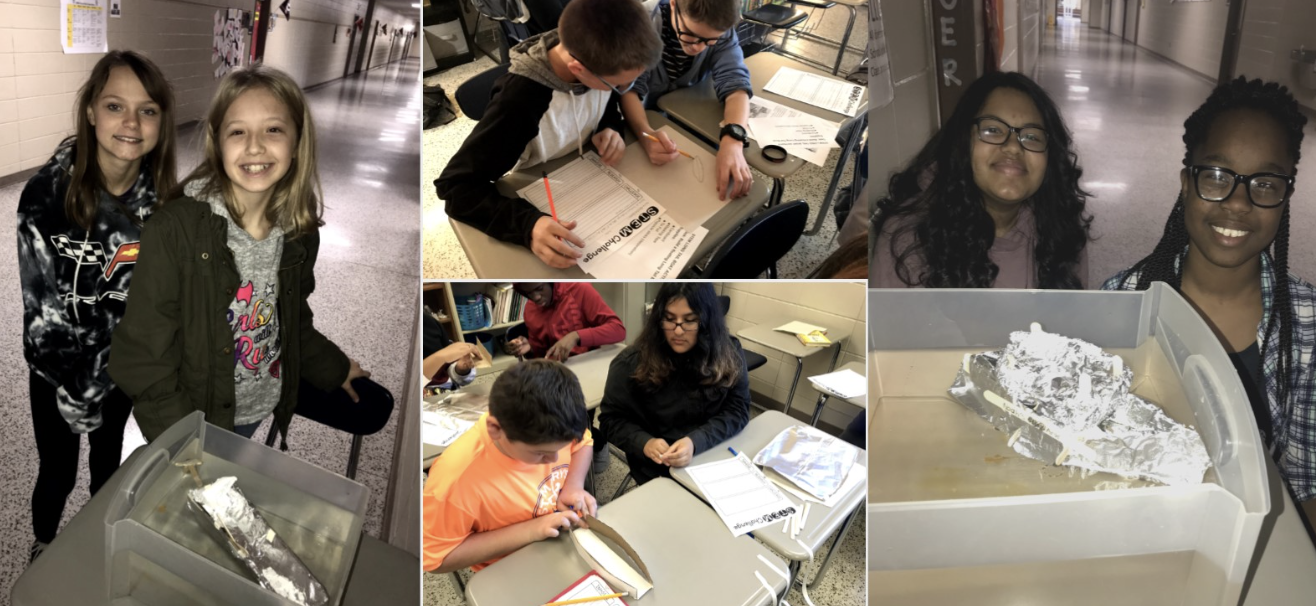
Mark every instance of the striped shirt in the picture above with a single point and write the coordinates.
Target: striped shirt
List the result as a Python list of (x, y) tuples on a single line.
[(1294, 421), (674, 59)]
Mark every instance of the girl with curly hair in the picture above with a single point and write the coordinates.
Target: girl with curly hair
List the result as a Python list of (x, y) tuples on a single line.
[(992, 201)]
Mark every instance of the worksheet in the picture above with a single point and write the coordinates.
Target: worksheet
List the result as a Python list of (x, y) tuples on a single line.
[(612, 212), (844, 383), (660, 253), (760, 108), (591, 586), (740, 494), (439, 429), (830, 94)]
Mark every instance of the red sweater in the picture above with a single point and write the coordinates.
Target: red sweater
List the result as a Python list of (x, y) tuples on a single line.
[(576, 307)]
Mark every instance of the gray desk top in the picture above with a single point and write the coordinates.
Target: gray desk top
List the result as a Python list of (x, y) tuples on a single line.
[(860, 401), (822, 522), (690, 553), (668, 185), (1285, 558), (765, 335), (697, 107), (382, 574), (590, 367)]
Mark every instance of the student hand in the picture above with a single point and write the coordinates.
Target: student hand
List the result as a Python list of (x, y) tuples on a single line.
[(551, 525), (546, 242), (655, 448), (519, 346), (610, 145), (661, 151), (731, 165), (578, 501), (354, 372), (561, 350), (680, 453)]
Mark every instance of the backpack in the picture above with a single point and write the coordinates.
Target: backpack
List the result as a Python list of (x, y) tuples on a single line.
[(438, 108)]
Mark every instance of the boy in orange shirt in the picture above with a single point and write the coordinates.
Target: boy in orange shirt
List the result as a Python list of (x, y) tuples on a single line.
[(516, 477)]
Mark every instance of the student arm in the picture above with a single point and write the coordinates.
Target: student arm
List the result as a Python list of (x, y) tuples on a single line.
[(620, 416), (573, 495), (660, 152), (147, 348), (731, 164), (602, 326), (467, 183), (484, 546)]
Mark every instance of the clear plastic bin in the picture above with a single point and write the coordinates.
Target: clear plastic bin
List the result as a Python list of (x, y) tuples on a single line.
[(160, 553), (957, 517)]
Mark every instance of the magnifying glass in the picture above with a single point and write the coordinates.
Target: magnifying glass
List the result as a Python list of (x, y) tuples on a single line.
[(774, 153)]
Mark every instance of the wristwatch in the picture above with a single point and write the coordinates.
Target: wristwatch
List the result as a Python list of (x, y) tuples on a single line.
[(736, 132)]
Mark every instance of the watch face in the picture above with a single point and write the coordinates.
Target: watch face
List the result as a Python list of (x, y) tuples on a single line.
[(738, 132)]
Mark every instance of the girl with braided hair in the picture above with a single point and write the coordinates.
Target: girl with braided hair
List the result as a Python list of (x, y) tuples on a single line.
[(1226, 249), (991, 201)]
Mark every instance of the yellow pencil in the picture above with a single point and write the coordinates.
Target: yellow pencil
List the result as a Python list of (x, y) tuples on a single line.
[(584, 600), (653, 138)]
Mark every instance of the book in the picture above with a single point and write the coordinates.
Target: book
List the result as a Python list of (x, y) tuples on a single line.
[(816, 338)]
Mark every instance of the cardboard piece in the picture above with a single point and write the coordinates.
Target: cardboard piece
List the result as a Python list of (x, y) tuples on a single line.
[(615, 569)]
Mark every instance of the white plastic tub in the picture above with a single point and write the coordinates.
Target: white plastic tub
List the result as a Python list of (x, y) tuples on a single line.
[(956, 517)]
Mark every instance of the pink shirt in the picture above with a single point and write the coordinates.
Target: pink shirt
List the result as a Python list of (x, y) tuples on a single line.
[(1012, 253)]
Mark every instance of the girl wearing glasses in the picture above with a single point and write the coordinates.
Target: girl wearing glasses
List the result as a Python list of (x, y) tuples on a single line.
[(991, 201), (1226, 249), (681, 388)]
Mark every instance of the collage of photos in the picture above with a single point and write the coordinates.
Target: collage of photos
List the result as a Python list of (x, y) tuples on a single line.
[(593, 302)]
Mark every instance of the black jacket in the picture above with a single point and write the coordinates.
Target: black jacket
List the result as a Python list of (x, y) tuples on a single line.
[(75, 284)]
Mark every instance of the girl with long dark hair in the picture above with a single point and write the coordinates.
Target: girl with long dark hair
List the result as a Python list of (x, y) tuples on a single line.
[(992, 200), (681, 388), (1226, 249)]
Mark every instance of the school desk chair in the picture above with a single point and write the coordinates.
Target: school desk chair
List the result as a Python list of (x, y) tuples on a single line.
[(474, 94), (752, 359), (771, 18), (758, 245)]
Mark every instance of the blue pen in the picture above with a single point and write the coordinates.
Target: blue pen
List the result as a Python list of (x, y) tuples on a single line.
[(733, 452)]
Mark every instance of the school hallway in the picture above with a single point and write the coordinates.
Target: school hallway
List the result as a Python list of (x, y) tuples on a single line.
[(1126, 107), (365, 295)]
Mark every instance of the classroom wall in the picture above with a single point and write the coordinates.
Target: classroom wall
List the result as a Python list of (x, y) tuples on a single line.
[(900, 128), (1029, 30), (1188, 33), (1010, 36), (834, 305), (1271, 30)]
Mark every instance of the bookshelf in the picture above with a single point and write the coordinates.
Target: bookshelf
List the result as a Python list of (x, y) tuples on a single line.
[(445, 296)]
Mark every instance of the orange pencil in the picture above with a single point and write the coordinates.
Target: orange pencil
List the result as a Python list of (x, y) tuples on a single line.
[(549, 191), (586, 600)]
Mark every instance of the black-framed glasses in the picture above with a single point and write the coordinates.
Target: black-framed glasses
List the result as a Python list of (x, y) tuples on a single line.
[(995, 131), (619, 92), (1266, 190), (686, 326), (689, 37)]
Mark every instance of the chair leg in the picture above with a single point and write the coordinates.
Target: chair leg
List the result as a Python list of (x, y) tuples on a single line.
[(271, 434), (772, 271), (353, 456), (621, 488)]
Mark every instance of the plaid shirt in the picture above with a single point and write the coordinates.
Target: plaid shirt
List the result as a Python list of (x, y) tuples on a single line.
[(1294, 421)]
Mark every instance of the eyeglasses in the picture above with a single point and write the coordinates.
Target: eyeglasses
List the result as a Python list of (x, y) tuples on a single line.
[(686, 326), (619, 92), (689, 37), (994, 131), (1266, 190)]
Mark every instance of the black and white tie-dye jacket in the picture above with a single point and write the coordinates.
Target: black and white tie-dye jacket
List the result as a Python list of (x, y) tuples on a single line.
[(75, 284)]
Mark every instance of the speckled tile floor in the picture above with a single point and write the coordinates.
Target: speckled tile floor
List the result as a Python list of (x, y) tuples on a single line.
[(365, 297), (443, 257), (844, 585)]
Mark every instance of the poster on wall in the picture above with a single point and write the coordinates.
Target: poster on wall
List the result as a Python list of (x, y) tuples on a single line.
[(286, 9), (880, 89), (82, 26), (230, 41), (115, 10), (953, 42)]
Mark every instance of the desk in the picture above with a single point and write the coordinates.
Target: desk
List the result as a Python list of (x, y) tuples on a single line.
[(491, 258), (690, 553), (789, 344), (1284, 561), (860, 401), (822, 522), (591, 368), (697, 109), (382, 574)]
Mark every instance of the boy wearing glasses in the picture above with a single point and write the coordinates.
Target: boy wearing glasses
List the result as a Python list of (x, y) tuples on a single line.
[(699, 41), (560, 92)]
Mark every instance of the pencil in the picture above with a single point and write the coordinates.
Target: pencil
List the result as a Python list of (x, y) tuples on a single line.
[(585, 600), (653, 138), (551, 208)]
